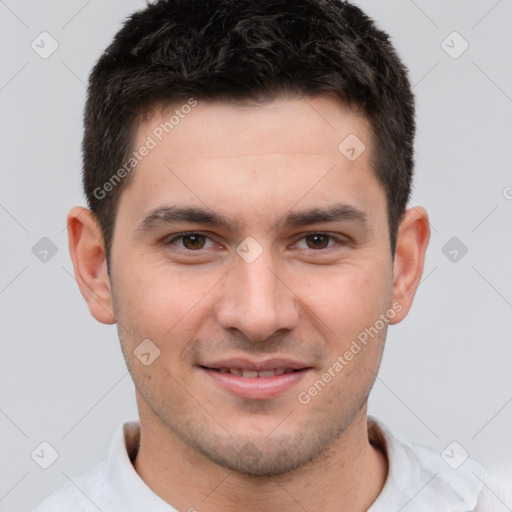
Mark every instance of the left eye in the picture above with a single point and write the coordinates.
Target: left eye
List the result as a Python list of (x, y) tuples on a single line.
[(317, 241)]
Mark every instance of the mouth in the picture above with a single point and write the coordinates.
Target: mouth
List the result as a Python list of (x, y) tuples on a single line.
[(252, 374), (255, 380)]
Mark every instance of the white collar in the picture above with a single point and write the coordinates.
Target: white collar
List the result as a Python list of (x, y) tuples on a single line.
[(126, 488), (419, 478)]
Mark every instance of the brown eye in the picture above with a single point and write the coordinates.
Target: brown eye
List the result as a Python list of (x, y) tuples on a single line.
[(193, 242), (317, 241), (190, 241)]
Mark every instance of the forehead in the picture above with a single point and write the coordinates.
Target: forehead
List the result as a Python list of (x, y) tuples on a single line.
[(282, 123), (235, 158)]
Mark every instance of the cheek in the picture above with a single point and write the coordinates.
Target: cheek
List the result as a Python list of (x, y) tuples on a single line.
[(160, 302), (349, 299)]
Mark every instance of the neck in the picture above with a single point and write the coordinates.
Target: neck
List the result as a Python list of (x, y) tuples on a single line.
[(349, 475)]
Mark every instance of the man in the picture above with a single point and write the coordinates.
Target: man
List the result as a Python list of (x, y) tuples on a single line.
[(247, 166)]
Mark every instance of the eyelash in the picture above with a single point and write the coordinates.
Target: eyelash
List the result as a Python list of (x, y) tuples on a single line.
[(171, 241)]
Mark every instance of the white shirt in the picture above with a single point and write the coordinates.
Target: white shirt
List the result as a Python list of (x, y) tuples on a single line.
[(419, 480)]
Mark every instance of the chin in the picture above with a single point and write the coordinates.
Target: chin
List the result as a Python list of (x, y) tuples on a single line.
[(265, 457)]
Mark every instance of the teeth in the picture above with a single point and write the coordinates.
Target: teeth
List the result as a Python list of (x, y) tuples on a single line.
[(251, 374)]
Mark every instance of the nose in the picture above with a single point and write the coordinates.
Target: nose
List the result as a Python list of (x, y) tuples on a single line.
[(257, 300)]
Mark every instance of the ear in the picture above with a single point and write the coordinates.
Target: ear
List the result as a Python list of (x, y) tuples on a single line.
[(412, 241), (87, 251)]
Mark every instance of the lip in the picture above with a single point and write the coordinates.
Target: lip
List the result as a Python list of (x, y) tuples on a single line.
[(257, 365), (256, 388)]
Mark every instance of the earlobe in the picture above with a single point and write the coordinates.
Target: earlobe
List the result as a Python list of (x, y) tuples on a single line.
[(411, 246), (87, 252)]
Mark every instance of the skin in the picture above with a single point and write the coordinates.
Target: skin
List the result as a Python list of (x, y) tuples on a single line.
[(304, 298)]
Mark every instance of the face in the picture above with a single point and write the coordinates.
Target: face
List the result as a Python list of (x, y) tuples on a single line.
[(253, 254)]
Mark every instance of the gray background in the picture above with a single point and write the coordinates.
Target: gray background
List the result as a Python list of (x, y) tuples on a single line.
[(446, 373)]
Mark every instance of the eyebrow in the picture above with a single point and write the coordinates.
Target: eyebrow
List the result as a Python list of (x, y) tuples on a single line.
[(170, 214)]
